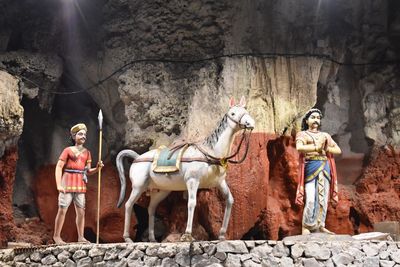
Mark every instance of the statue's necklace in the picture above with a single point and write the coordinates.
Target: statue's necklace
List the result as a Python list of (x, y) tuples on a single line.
[(314, 135)]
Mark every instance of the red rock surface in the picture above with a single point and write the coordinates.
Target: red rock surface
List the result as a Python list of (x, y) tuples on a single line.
[(7, 175), (248, 183), (283, 217), (378, 191), (16, 229), (263, 187)]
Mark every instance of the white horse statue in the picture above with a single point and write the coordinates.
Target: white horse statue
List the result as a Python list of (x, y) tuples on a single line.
[(203, 165)]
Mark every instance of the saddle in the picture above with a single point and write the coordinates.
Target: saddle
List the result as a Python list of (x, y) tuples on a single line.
[(167, 160)]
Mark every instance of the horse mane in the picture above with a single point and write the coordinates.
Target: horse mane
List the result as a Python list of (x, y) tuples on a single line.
[(212, 139)]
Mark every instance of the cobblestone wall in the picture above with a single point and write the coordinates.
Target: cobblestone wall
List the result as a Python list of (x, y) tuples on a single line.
[(213, 253)]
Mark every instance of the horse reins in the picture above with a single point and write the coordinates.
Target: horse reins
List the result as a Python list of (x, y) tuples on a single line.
[(224, 160)]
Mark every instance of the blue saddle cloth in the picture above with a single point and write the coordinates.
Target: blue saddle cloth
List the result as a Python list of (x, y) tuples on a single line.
[(166, 161)]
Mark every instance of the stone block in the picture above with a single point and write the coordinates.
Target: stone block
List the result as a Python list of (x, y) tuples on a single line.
[(391, 227)]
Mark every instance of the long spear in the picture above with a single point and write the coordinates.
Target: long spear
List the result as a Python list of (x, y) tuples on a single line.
[(100, 117)]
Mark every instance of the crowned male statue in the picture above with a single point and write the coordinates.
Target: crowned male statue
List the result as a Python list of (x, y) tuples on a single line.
[(317, 173)]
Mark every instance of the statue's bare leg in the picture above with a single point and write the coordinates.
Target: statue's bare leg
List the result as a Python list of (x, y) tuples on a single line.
[(58, 224), (223, 187), (80, 224), (192, 185), (135, 194), (155, 199)]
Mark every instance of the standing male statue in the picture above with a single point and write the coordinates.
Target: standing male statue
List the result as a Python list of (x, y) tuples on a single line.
[(317, 174), (76, 162)]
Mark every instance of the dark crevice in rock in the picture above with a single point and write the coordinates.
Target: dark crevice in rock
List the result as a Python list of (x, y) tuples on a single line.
[(281, 233), (142, 223), (358, 141), (33, 146), (322, 96), (258, 231), (15, 42), (354, 217), (91, 236), (2, 182)]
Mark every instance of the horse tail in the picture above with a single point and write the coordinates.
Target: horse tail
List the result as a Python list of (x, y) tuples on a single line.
[(120, 166)]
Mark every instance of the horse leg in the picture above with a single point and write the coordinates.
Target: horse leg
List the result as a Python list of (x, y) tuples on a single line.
[(155, 199), (223, 187), (135, 194), (192, 185)]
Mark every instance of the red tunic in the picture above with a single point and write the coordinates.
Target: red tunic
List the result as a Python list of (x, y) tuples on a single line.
[(73, 182)]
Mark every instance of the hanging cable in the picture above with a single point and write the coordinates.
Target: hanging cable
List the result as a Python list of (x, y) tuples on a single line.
[(194, 61)]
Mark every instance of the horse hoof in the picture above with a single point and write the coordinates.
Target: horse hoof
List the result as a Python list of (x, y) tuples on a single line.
[(152, 240), (128, 240), (221, 238), (187, 238)]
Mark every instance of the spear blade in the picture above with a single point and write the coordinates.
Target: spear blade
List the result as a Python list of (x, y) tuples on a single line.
[(100, 117)]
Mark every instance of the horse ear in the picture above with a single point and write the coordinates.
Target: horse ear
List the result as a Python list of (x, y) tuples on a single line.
[(242, 102), (231, 102)]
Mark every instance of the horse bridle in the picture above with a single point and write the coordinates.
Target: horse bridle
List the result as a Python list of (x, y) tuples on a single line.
[(224, 160), (238, 121)]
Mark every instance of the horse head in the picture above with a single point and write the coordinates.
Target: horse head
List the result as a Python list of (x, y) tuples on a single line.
[(238, 116)]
